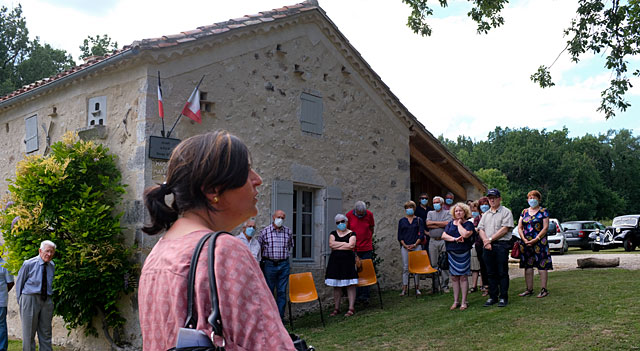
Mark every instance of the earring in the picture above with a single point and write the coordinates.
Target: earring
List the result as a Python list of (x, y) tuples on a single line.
[(215, 200)]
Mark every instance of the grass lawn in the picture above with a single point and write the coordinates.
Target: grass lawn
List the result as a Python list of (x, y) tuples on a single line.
[(586, 310), (16, 345)]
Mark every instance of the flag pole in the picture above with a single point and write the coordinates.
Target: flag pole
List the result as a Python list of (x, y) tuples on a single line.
[(160, 89), (180, 115)]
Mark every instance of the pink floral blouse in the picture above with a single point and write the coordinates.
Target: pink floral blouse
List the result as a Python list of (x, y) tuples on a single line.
[(250, 318)]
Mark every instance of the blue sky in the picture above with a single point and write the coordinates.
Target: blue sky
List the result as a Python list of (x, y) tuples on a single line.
[(455, 82)]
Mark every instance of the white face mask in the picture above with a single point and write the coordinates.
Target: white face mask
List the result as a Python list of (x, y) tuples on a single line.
[(278, 222)]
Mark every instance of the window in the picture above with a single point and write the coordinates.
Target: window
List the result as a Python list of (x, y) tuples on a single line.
[(97, 111), (302, 223), (31, 133), (311, 114)]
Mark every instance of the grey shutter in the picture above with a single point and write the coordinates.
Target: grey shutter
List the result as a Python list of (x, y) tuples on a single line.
[(311, 114), (31, 133), (333, 206), (282, 199)]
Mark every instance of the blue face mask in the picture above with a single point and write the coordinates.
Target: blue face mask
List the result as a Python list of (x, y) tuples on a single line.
[(484, 208), (342, 226), (449, 201), (250, 231), (437, 206), (475, 214), (409, 211), (533, 202), (424, 202)]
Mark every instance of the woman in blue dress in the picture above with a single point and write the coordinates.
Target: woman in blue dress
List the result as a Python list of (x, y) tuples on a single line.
[(457, 235), (532, 227)]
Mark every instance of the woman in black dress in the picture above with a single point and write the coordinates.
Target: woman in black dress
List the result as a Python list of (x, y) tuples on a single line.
[(341, 269)]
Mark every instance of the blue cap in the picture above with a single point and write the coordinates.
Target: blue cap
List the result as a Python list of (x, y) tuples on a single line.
[(493, 192)]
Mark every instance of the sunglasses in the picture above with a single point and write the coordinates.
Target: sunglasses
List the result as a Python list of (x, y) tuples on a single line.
[(342, 221)]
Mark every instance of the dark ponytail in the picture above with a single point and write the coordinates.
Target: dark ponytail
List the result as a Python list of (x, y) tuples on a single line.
[(202, 164)]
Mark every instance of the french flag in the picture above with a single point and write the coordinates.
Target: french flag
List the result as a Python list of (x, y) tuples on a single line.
[(192, 107), (160, 106)]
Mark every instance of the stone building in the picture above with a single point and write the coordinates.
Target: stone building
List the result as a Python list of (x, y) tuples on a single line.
[(323, 129)]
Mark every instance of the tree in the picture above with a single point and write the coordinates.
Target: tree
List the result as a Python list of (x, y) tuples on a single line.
[(600, 26), (97, 46), (70, 197), (22, 61)]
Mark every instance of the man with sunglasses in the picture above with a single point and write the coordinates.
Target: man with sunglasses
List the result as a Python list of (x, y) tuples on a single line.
[(360, 221)]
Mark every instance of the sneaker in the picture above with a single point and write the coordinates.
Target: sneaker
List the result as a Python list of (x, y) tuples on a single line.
[(543, 293), (445, 290), (502, 303), (490, 302), (418, 293)]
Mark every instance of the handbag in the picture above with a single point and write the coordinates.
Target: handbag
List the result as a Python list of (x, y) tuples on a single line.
[(515, 250), (443, 261), (191, 339)]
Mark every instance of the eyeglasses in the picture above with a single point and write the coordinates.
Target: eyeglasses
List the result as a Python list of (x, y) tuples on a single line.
[(342, 221)]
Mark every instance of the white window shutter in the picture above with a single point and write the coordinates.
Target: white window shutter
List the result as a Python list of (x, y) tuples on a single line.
[(282, 199), (31, 133)]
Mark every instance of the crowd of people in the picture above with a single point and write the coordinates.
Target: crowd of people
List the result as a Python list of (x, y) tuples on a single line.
[(214, 188)]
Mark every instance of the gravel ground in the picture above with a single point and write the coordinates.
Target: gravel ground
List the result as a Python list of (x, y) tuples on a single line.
[(568, 262)]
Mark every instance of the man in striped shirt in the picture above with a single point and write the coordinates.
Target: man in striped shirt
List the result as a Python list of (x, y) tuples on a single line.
[(276, 242)]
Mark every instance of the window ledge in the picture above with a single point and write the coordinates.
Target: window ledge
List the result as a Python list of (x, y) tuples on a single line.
[(92, 132)]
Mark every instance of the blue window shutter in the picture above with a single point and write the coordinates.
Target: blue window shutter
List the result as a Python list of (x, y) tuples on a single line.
[(311, 114), (282, 199), (333, 206), (31, 133)]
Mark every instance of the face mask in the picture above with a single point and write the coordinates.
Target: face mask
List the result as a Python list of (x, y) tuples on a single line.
[(533, 202), (475, 214), (437, 207), (342, 226), (424, 202), (250, 231), (409, 211), (484, 208), (278, 222), (449, 201)]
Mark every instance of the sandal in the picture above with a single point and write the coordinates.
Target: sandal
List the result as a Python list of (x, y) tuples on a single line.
[(527, 293), (350, 313), (454, 306), (464, 306), (474, 289), (485, 291), (334, 313), (543, 293)]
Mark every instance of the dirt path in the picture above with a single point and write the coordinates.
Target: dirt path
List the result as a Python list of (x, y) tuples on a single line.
[(568, 262)]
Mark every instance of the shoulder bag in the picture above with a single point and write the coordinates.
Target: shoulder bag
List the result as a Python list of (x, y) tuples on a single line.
[(191, 339), (515, 251)]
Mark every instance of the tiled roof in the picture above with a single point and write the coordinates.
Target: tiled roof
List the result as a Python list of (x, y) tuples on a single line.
[(175, 39)]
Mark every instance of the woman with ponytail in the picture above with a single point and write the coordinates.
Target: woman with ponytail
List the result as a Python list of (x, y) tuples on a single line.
[(213, 188)]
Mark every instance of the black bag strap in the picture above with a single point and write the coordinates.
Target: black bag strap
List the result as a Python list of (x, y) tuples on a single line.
[(214, 318), (192, 315)]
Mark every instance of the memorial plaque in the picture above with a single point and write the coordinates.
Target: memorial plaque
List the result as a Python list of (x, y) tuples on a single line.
[(160, 148)]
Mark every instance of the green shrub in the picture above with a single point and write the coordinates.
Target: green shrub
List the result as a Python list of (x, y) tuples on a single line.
[(69, 197)]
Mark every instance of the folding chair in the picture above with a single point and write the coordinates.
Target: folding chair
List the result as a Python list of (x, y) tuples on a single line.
[(368, 276), (302, 289), (419, 263)]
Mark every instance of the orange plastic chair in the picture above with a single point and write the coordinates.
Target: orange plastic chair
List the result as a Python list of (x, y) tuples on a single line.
[(302, 289), (419, 263), (368, 277)]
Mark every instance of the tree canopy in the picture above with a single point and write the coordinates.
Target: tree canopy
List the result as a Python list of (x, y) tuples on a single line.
[(97, 46), (600, 26), (589, 177), (24, 61)]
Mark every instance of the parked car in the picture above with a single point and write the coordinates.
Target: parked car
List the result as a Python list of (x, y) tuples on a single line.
[(623, 232), (555, 237), (578, 232)]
